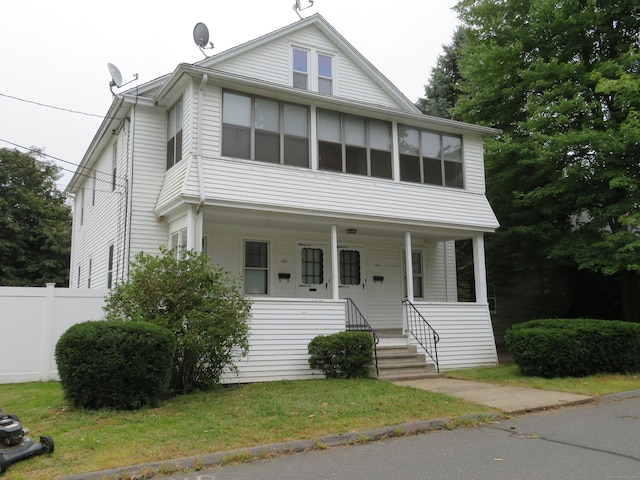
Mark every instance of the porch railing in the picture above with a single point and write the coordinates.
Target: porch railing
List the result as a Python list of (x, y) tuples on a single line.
[(356, 321), (424, 333)]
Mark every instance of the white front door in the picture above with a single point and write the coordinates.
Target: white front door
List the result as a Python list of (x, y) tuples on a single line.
[(313, 275), (352, 277)]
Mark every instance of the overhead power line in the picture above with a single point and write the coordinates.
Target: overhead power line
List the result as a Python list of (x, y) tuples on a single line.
[(51, 106)]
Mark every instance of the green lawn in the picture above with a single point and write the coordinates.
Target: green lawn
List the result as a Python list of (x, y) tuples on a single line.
[(236, 417), (201, 423), (592, 385)]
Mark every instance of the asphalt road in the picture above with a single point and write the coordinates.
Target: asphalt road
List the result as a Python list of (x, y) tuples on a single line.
[(595, 441)]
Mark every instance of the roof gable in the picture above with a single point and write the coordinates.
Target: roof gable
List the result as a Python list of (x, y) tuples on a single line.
[(267, 58)]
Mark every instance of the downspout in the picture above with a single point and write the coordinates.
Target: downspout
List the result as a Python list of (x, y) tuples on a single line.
[(205, 78), (129, 212)]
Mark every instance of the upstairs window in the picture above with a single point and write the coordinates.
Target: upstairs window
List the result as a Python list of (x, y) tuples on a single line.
[(257, 128), (354, 145), (174, 134), (430, 157), (325, 74), (301, 68), (312, 70)]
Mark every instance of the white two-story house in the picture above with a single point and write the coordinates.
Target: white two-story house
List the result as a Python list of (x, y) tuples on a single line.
[(295, 164)]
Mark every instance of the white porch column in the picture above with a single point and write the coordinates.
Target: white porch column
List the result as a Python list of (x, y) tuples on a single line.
[(408, 265), (479, 269), (408, 260), (335, 274)]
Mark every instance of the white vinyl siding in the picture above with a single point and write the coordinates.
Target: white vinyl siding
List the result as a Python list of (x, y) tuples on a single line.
[(250, 184), (100, 225), (271, 62), (466, 334), (148, 174), (280, 332)]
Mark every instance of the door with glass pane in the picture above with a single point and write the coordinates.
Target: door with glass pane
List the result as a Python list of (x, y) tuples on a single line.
[(352, 277), (313, 275)]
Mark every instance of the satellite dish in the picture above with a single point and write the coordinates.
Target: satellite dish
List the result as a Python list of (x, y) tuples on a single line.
[(298, 6), (201, 37), (116, 76), (201, 34)]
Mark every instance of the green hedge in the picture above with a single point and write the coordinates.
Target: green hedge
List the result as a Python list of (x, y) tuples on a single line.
[(574, 347), (342, 355), (114, 364)]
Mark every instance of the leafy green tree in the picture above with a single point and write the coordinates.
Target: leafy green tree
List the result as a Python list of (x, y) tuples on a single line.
[(560, 78), (197, 301), (35, 222), (443, 89)]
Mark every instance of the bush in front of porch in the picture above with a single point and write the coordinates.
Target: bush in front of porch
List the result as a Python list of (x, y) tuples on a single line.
[(342, 354), (199, 302)]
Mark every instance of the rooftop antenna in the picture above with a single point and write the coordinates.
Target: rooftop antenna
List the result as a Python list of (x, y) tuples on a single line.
[(297, 7), (201, 37), (116, 78)]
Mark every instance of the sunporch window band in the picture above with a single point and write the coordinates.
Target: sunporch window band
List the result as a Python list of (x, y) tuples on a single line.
[(355, 145), (430, 157), (257, 128)]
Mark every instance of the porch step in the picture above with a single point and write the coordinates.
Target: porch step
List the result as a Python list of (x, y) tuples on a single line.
[(402, 362)]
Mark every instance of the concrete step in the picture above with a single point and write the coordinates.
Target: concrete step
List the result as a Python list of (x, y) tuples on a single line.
[(402, 362), (393, 375)]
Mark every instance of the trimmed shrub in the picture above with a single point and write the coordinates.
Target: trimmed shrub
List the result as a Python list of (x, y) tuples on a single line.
[(574, 347), (114, 364), (201, 303), (342, 355)]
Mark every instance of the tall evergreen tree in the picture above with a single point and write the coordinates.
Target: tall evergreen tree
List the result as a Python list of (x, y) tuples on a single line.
[(443, 89), (561, 79), (35, 222)]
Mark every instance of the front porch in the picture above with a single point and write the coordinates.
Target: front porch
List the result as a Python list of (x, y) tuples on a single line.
[(281, 330)]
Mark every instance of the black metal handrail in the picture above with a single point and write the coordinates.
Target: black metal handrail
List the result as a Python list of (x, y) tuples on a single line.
[(356, 321), (422, 332)]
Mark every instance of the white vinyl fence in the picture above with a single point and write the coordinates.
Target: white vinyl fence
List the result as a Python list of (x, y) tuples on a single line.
[(33, 319), (31, 322)]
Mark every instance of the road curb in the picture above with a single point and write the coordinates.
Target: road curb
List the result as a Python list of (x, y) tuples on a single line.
[(199, 462)]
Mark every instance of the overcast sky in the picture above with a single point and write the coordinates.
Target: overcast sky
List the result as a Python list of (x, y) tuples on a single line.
[(55, 53)]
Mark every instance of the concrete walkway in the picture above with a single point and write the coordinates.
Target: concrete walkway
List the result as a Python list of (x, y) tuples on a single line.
[(511, 400)]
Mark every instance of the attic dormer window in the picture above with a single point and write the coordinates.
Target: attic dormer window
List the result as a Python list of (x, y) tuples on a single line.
[(301, 68), (174, 134), (325, 74), (312, 70)]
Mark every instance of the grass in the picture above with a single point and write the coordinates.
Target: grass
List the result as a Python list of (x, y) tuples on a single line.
[(221, 420), (237, 417), (594, 385)]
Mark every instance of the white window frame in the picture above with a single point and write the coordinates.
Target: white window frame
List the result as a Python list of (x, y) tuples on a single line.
[(422, 158), (313, 70), (175, 126), (89, 273), (419, 276), (178, 242), (266, 269), (110, 263), (253, 131)]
